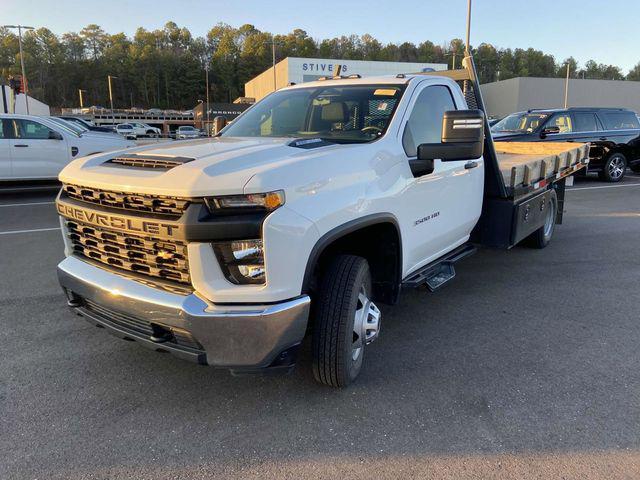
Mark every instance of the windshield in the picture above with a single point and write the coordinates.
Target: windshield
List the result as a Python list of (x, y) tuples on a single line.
[(341, 114), (520, 123), (77, 129), (69, 127)]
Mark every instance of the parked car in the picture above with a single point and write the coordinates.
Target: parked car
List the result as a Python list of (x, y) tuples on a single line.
[(187, 132), (79, 128), (127, 131), (87, 124), (37, 148), (614, 135), (144, 130)]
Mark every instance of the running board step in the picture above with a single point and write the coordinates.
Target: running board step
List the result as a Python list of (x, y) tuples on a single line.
[(437, 274)]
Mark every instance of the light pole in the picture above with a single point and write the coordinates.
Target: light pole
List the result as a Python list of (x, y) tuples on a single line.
[(24, 75), (206, 73), (113, 117), (80, 94), (195, 117), (273, 60), (566, 88), (453, 55)]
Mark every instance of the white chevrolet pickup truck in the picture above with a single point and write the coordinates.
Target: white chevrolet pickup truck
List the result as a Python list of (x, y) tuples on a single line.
[(316, 205)]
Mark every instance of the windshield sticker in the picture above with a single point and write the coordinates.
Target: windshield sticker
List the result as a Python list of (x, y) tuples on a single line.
[(388, 92)]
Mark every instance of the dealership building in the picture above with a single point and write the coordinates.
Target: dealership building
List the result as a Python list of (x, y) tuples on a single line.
[(298, 70), (524, 93)]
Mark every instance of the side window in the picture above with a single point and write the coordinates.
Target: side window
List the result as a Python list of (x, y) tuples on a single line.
[(585, 122), (30, 130), (619, 120), (563, 121), (425, 122)]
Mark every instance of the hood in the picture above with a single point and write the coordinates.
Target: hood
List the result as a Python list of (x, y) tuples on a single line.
[(94, 134), (506, 136), (220, 166)]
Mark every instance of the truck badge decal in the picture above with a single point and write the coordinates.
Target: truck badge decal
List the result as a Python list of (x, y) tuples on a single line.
[(426, 219)]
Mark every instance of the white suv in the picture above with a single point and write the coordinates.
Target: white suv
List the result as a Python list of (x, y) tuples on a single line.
[(144, 130), (33, 147)]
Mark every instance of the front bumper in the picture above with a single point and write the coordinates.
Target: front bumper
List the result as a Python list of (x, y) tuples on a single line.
[(238, 337)]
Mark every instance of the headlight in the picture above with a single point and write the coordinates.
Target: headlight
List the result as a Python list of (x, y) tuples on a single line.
[(242, 261), (251, 202)]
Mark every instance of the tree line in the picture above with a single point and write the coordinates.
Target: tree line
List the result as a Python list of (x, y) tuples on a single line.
[(165, 68)]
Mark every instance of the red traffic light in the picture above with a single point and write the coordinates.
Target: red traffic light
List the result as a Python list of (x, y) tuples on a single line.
[(16, 84)]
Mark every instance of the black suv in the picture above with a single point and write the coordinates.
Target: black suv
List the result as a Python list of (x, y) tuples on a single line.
[(614, 135)]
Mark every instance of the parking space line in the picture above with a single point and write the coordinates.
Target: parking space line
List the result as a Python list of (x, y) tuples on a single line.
[(10, 232), (574, 189), (26, 204)]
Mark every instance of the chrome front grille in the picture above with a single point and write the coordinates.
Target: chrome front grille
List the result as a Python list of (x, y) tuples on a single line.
[(128, 201), (147, 256)]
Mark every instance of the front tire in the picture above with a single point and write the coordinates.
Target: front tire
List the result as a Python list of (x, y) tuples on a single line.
[(346, 321), (614, 168), (541, 237)]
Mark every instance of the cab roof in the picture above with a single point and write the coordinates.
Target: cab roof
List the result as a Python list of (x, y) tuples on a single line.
[(400, 79)]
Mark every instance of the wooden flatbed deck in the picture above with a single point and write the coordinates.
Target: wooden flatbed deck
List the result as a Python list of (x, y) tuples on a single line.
[(524, 163)]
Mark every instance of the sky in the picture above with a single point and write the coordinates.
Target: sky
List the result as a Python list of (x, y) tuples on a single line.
[(603, 30)]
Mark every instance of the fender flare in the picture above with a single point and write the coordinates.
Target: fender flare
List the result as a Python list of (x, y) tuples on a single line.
[(345, 229)]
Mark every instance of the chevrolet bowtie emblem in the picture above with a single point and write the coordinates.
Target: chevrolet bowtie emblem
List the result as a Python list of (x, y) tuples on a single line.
[(165, 255)]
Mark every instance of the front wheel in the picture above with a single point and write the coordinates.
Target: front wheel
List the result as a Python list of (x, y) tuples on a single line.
[(541, 237), (614, 168), (346, 321)]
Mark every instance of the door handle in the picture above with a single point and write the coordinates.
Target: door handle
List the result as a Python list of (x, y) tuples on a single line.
[(470, 165), (21, 145), (602, 138)]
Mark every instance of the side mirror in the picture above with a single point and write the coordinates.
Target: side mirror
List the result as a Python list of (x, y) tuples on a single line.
[(551, 130), (462, 137), (54, 135)]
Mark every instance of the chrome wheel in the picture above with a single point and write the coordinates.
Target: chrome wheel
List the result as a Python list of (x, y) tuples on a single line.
[(366, 324), (616, 167), (550, 220)]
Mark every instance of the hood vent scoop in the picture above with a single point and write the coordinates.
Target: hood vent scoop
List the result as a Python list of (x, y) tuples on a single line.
[(154, 162)]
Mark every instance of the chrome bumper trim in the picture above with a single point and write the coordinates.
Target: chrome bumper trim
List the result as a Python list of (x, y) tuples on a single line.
[(237, 337)]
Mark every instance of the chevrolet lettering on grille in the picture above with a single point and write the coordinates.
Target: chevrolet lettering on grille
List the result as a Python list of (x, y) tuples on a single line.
[(117, 222)]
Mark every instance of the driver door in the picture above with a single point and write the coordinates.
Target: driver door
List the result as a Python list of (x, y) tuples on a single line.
[(442, 206), (37, 151)]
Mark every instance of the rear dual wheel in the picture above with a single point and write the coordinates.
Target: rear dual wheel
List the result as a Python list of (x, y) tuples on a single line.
[(541, 237), (346, 321)]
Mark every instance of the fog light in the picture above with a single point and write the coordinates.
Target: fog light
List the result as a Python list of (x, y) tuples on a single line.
[(241, 261)]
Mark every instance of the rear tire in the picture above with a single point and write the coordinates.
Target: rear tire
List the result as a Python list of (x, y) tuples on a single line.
[(541, 237), (614, 168), (346, 320)]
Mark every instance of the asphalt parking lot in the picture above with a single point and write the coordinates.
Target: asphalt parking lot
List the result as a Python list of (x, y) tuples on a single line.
[(527, 365)]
